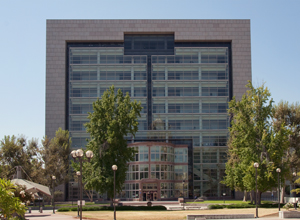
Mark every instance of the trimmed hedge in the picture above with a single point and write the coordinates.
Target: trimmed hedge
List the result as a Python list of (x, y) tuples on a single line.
[(243, 206), (119, 208), (63, 209), (215, 207)]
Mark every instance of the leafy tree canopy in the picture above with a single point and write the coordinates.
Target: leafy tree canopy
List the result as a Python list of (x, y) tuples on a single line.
[(19, 152), (254, 139), (9, 203), (55, 154), (114, 118)]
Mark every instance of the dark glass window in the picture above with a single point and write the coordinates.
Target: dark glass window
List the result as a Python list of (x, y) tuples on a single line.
[(149, 44)]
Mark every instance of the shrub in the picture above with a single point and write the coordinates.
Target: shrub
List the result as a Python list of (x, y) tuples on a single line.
[(9, 203), (288, 206), (215, 207), (64, 209), (74, 209)]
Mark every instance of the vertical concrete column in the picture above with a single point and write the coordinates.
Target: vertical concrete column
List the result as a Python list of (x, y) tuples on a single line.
[(200, 122), (200, 106), (199, 56), (200, 138), (201, 174), (132, 90), (166, 73), (166, 123), (166, 106), (199, 73), (132, 73), (98, 73), (200, 92), (166, 90), (98, 57), (98, 90), (167, 137)]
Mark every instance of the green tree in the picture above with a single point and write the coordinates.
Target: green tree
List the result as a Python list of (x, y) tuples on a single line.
[(289, 114), (253, 139), (9, 204), (55, 154), (114, 117), (19, 152)]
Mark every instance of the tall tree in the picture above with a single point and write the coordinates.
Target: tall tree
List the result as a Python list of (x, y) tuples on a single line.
[(289, 115), (253, 139), (16, 151), (55, 154), (114, 117)]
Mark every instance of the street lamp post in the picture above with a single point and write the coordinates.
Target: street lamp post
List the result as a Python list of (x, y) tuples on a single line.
[(114, 168), (72, 193), (78, 194), (78, 154), (278, 170), (183, 181), (295, 203), (224, 194), (53, 191), (256, 165)]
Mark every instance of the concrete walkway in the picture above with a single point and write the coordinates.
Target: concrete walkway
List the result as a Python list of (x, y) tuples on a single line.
[(47, 215)]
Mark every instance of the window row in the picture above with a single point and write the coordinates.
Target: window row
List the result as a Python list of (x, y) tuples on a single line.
[(85, 108), (142, 75), (125, 75), (214, 140), (210, 155), (166, 190), (210, 189), (204, 58), (78, 124), (92, 92), (161, 153), (193, 124), (106, 59), (189, 91), (208, 174), (189, 75), (190, 108)]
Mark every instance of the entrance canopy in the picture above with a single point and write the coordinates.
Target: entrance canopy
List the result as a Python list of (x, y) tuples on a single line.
[(32, 187)]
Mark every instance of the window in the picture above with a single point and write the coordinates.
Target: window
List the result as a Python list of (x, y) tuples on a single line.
[(180, 155), (162, 153)]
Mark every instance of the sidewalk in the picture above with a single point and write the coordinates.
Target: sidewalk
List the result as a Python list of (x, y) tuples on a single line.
[(47, 215)]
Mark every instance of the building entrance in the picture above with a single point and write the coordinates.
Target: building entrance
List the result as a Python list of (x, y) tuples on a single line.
[(150, 192)]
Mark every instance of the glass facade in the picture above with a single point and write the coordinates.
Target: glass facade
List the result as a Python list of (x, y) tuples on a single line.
[(158, 174), (184, 89)]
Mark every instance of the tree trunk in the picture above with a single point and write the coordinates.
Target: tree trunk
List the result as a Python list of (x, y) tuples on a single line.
[(252, 197), (282, 193), (111, 202), (259, 198), (245, 196), (92, 196)]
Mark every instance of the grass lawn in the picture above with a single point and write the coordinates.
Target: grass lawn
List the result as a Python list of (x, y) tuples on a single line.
[(168, 215)]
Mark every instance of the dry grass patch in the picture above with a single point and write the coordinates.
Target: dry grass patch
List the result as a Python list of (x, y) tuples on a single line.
[(167, 215)]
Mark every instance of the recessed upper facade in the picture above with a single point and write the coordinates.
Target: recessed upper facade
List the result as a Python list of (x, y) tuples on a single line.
[(184, 72)]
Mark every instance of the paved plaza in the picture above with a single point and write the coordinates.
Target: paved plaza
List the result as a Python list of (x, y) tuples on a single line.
[(48, 215)]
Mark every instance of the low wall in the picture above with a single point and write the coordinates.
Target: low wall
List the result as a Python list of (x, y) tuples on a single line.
[(229, 216), (289, 214)]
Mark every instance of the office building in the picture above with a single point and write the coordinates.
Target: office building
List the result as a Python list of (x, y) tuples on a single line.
[(184, 72)]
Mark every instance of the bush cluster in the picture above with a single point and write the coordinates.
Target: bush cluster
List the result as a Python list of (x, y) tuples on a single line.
[(118, 208), (242, 206)]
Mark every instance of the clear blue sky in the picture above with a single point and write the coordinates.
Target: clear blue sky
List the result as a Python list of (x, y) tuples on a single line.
[(275, 40)]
